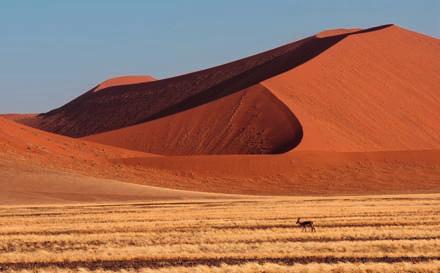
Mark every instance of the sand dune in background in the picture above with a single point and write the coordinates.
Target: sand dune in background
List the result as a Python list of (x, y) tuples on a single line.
[(97, 112), (121, 81), (346, 90)]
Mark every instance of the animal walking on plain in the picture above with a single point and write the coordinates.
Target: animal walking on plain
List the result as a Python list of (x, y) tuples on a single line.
[(306, 224)]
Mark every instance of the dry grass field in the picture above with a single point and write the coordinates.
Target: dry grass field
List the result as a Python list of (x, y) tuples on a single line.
[(354, 234)]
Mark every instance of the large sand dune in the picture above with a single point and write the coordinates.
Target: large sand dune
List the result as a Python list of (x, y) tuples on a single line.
[(344, 90)]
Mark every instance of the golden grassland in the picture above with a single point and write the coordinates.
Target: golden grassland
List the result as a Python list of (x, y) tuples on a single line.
[(354, 234)]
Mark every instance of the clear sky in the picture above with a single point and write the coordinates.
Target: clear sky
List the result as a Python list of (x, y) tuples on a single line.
[(52, 51)]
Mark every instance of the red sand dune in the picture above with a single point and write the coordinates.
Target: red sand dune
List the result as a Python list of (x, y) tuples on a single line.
[(358, 111), (347, 90), (96, 112)]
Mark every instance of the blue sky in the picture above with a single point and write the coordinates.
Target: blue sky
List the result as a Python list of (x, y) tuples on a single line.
[(52, 51)]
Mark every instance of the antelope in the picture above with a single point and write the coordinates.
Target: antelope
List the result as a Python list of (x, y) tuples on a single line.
[(305, 224)]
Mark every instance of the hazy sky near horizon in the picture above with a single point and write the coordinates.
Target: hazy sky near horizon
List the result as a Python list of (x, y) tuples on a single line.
[(52, 51)]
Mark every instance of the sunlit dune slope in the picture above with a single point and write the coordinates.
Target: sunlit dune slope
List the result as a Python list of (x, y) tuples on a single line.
[(18, 140), (373, 91)]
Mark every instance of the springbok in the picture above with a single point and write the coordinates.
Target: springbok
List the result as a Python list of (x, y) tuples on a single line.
[(305, 224)]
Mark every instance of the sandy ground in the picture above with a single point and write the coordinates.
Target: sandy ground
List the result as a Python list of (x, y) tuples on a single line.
[(29, 184)]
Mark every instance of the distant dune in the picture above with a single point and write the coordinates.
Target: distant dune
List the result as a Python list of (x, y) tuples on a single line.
[(121, 81), (346, 111)]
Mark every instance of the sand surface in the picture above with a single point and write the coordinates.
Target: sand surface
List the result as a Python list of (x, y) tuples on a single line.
[(27, 184)]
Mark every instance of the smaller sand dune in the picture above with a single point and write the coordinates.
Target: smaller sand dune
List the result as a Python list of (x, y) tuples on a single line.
[(38, 167), (123, 80)]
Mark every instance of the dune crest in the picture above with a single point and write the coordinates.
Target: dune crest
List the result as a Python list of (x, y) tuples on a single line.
[(123, 80), (338, 31)]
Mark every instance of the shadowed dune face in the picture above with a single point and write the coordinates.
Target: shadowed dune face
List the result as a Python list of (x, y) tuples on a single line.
[(136, 104)]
